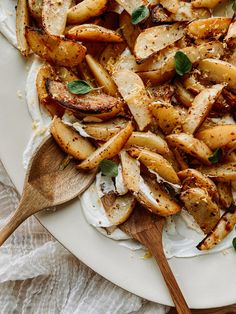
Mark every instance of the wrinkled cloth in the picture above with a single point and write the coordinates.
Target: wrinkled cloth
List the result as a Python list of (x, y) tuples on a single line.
[(38, 275)]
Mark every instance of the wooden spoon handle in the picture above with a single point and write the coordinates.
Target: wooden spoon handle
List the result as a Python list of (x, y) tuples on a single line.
[(152, 239)]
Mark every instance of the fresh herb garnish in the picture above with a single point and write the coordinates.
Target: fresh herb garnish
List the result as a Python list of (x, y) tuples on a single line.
[(233, 4), (234, 243), (79, 87), (216, 156), (139, 14), (182, 63), (109, 168)]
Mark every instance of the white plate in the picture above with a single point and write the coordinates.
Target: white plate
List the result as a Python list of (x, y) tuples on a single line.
[(206, 281)]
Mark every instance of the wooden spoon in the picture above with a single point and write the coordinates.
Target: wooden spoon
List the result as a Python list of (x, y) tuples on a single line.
[(147, 229), (46, 185)]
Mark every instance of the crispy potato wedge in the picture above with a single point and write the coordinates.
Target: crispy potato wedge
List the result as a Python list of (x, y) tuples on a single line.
[(170, 5), (153, 197), (224, 226), (65, 75), (149, 141), (110, 55), (85, 10), (54, 15), (218, 71), (70, 141), (213, 27), (102, 77), (35, 8), (211, 4), (230, 38), (118, 210), (134, 93), (54, 49), (156, 38), (191, 146), (183, 95), (186, 12), (192, 178), (108, 150), (221, 172), (130, 171), (103, 131), (225, 194), (201, 107), (192, 84), (93, 33), (131, 5), (94, 103), (200, 205), (218, 136), (166, 69), (22, 21), (155, 162), (44, 73), (167, 116), (129, 31)]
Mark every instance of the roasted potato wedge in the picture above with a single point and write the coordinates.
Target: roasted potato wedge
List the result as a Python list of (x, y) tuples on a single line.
[(186, 12), (183, 95), (85, 10), (134, 93), (213, 27), (118, 210), (103, 131), (93, 33), (231, 34), (149, 141), (110, 55), (54, 15), (191, 146), (218, 136), (65, 75), (94, 103), (170, 5), (219, 71), (22, 21), (130, 171), (54, 49), (200, 205), (211, 4), (108, 150), (70, 141), (167, 116), (35, 8), (102, 77), (225, 194), (129, 31), (201, 107), (156, 38), (221, 172), (155, 162), (192, 84), (131, 5), (224, 226)]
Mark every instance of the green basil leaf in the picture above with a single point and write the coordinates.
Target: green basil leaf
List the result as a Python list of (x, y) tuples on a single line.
[(109, 168), (79, 87), (215, 157), (233, 4), (139, 14), (182, 63), (234, 243)]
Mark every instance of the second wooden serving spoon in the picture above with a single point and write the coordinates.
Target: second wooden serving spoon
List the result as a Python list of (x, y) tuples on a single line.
[(147, 228), (47, 184)]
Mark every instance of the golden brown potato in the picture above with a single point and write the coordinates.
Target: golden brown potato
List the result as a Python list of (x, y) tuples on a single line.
[(183, 95), (131, 5), (35, 8), (201, 107), (54, 15), (221, 172), (192, 84), (102, 77), (110, 55), (191, 146), (200, 205), (70, 141), (55, 49), (134, 93), (22, 21), (156, 38), (85, 10), (206, 3), (93, 33), (155, 162), (108, 150), (170, 5), (218, 71), (65, 75), (225, 194), (167, 116), (218, 136), (129, 31), (224, 226), (231, 34), (130, 171), (94, 103), (213, 27)]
